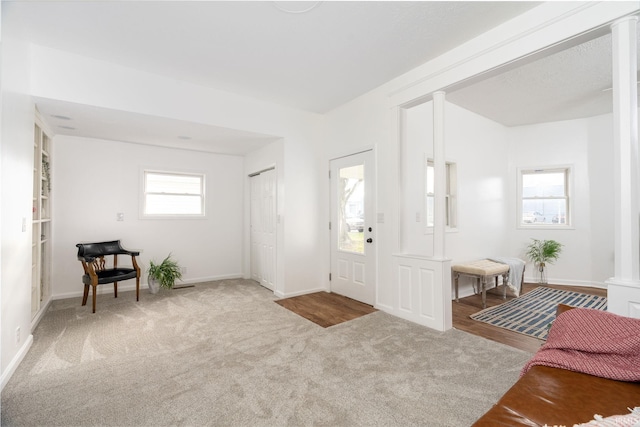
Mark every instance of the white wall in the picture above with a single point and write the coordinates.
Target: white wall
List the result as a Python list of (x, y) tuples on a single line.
[(16, 180), (586, 145), (601, 180), (94, 179), (478, 147), (566, 143)]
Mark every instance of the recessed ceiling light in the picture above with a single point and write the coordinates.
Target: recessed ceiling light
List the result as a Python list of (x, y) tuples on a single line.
[(296, 6), (183, 137), (58, 116), (67, 127)]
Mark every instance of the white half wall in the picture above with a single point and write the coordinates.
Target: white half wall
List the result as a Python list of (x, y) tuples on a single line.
[(93, 180)]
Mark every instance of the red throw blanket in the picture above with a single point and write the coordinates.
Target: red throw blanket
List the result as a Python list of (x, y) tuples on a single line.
[(593, 342)]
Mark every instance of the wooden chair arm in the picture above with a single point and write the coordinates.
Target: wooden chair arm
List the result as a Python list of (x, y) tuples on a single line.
[(562, 308)]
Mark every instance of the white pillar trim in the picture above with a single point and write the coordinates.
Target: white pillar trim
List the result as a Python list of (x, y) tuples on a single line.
[(439, 167), (624, 287)]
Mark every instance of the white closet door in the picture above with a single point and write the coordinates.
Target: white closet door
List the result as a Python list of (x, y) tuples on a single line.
[(263, 228)]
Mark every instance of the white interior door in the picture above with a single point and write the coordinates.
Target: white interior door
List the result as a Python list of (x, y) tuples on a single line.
[(353, 227), (263, 228)]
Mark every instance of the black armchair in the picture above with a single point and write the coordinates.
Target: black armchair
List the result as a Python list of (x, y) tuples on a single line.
[(96, 272)]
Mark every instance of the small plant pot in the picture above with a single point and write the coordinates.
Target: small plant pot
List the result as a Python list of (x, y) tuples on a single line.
[(154, 285), (542, 274)]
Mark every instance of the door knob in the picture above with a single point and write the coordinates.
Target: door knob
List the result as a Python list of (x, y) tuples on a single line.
[(369, 240)]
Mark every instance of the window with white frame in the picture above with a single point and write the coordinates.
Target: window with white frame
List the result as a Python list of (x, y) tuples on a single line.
[(173, 194), (450, 195), (544, 197)]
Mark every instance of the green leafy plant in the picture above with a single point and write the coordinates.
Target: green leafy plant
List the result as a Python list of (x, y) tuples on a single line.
[(166, 273), (542, 252)]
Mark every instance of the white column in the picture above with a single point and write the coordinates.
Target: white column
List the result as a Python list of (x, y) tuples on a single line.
[(439, 168), (624, 288)]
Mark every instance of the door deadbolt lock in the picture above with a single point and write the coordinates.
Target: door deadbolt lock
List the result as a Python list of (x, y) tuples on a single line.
[(369, 240), (370, 229)]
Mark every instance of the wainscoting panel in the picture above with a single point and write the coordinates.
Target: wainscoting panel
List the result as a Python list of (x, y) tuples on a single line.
[(404, 288), (428, 294)]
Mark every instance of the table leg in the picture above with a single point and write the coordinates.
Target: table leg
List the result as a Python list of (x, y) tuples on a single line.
[(505, 280), (455, 281), (484, 292)]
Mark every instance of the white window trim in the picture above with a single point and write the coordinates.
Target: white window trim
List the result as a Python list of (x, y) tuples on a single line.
[(428, 229), (569, 195), (143, 215)]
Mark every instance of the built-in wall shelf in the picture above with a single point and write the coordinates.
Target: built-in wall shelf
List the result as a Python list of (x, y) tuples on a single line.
[(41, 220)]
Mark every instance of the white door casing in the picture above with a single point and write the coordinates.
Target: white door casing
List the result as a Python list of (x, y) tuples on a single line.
[(352, 226), (263, 228)]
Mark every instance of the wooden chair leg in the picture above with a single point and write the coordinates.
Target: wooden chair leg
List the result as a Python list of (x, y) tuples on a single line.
[(138, 288), (115, 289), (95, 288), (86, 295)]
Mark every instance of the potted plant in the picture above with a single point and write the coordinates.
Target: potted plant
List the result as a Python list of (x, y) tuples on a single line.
[(541, 253), (164, 274)]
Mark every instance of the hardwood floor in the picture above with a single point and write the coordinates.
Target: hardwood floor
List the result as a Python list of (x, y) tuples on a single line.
[(326, 309), (469, 305)]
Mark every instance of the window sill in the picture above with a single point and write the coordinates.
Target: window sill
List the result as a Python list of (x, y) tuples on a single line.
[(187, 217), (447, 230), (545, 227)]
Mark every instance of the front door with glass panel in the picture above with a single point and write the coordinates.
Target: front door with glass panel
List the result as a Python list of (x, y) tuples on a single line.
[(353, 227)]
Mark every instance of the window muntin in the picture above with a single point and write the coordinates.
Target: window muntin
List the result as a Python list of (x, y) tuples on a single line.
[(173, 194), (544, 197), (451, 213)]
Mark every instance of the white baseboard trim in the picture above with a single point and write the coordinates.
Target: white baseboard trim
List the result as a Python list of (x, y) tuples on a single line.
[(125, 286), (15, 362), (582, 283), (297, 294), (383, 307), (467, 291), (40, 314)]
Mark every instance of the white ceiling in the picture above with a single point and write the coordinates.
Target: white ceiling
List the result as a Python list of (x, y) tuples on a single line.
[(315, 60), (570, 84), (68, 118)]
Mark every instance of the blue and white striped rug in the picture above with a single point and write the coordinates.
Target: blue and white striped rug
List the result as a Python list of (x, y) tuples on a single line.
[(531, 313)]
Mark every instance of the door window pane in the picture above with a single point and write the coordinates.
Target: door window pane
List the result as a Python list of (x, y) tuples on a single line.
[(351, 209)]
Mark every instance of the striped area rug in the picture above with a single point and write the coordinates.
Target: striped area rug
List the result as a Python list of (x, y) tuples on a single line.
[(531, 313)]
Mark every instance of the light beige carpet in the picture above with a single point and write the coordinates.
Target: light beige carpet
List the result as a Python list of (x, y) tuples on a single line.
[(223, 354)]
